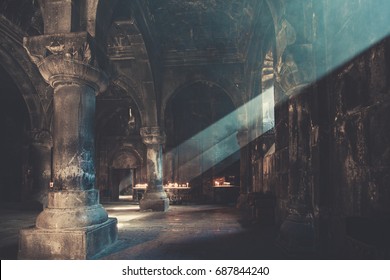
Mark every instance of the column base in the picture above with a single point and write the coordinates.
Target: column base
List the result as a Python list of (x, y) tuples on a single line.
[(297, 236), (79, 243), (154, 201)]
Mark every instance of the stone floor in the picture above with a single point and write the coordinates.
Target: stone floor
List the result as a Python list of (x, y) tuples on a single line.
[(184, 232)]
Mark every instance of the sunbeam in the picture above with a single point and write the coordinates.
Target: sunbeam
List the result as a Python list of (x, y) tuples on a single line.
[(342, 40)]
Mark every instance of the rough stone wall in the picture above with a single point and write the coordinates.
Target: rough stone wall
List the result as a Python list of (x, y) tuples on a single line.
[(350, 142), (281, 160), (344, 142), (264, 163), (359, 150)]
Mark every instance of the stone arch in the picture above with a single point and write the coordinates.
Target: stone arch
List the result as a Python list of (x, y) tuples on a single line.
[(228, 87), (275, 9), (260, 47), (31, 150), (126, 158), (293, 46), (125, 166), (127, 92), (134, 90), (201, 127), (125, 25), (24, 75), (261, 43)]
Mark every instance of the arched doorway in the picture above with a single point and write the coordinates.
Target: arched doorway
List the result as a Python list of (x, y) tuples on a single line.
[(15, 170), (119, 160), (123, 174), (196, 153)]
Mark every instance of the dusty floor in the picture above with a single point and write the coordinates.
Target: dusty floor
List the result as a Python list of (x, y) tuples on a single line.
[(184, 232)]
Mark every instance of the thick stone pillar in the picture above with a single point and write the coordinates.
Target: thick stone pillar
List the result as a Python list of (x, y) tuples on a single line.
[(155, 197), (245, 161), (297, 232), (74, 225), (41, 145)]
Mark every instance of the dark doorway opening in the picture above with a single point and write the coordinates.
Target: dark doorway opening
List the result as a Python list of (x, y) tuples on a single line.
[(122, 182)]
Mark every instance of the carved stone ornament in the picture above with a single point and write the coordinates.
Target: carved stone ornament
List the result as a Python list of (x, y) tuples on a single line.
[(290, 75), (64, 57), (41, 136), (152, 135), (294, 70), (78, 46)]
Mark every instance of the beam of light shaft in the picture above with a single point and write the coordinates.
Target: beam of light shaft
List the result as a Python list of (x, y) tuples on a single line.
[(344, 30), (210, 157), (220, 139), (342, 38), (350, 33)]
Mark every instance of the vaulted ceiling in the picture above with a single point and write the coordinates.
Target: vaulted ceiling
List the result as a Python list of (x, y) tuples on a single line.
[(212, 30), (196, 31), (176, 31), (202, 24)]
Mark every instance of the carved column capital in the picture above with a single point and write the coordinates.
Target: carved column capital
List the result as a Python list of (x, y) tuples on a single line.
[(66, 58), (152, 135), (41, 137)]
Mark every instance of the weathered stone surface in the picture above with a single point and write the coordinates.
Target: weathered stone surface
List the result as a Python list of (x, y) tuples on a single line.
[(155, 197), (154, 201), (152, 135), (328, 63), (73, 214), (245, 171), (73, 244), (65, 218), (57, 16), (41, 145), (66, 56)]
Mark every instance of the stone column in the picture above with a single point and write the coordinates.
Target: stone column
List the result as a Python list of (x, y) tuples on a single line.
[(297, 232), (74, 225), (41, 145), (155, 197), (243, 142)]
